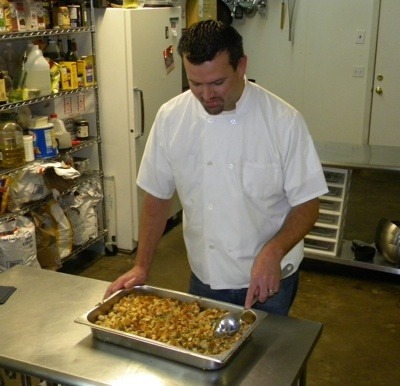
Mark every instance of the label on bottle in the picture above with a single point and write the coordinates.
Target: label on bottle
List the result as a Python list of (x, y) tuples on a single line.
[(3, 93), (74, 15), (62, 17), (2, 20)]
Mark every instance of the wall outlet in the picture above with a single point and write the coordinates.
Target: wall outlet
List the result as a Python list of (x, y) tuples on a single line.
[(358, 71)]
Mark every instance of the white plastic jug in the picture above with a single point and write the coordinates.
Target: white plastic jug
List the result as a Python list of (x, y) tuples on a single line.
[(38, 72), (63, 137)]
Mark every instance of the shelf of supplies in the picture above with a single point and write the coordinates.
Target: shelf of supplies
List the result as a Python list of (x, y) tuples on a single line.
[(83, 145), (28, 207), (14, 105), (47, 32), (78, 249), (346, 257)]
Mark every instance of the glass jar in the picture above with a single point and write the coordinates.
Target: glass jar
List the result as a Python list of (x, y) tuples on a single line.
[(82, 129)]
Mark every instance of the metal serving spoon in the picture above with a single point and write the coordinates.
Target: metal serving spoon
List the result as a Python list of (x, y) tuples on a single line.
[(229, 324)]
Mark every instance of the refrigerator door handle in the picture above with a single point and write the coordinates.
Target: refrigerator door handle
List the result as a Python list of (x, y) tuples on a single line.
[(137, 135)]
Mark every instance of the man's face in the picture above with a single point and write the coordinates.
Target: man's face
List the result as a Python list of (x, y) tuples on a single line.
[(215, 83)]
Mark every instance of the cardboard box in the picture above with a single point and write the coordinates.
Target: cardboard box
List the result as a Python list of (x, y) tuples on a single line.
[(198, 10), (86, 70), (69, 76)]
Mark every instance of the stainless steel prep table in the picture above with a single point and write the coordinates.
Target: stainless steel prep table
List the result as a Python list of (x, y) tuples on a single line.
[(39, 338)]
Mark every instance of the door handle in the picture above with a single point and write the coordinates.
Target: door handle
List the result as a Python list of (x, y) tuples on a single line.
[(141, 111), (379, 90)]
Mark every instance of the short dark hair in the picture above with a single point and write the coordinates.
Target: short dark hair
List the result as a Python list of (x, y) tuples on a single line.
[(202, 41)]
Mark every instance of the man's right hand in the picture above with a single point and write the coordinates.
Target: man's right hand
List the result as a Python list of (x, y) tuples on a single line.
[(135, 276)]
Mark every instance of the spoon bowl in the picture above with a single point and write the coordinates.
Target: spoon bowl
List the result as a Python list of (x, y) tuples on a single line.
[(229, 324)]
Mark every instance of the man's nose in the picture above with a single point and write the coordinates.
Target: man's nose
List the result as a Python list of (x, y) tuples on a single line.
[(207, 92)]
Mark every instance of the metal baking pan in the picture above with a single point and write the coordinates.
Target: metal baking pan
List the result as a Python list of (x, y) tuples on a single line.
[(149, 346)]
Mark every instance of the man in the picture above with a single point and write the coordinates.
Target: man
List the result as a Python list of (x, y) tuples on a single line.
[(246, 172)]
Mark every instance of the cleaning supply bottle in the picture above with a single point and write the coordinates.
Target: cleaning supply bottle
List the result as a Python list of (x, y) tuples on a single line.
[(38, 72)]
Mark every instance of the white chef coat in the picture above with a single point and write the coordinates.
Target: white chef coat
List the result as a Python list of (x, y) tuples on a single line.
[(237, 175)]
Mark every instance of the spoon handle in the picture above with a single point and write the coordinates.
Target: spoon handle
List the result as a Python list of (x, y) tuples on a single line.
[(286, 270)]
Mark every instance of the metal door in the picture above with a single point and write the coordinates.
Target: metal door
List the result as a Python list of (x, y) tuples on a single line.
[(385, 110)]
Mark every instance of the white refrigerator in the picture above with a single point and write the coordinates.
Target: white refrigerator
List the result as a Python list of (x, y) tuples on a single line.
[(138, 69)]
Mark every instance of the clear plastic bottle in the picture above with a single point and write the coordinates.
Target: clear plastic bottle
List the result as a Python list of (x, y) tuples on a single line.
[(3, 64), (3, 90), (38, 72), (8, 82), (12, 152), (52, 51), (11, 58), (61, 48)]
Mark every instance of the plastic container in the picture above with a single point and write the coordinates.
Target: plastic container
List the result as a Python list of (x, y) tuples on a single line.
[(12, 59), (38, 72), (28, 148), (130, 3), (3, 64), (12, 152), (3, 89), (52, 51), (63, 137), (44, 143)]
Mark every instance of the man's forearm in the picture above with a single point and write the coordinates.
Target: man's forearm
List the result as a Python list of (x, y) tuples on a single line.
[(154, 216), (296, 226)]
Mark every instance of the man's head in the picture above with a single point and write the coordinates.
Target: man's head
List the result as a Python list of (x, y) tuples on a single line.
[(215, 64), (202, 41)]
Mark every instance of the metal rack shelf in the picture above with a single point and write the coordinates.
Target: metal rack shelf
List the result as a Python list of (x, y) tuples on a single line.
[(15, 105), (26, 208), (16, 37), (346, 257), (47, 32), (102, 234), (83, 145)]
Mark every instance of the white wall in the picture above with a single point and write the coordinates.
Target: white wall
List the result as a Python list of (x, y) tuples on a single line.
[(314, 71)]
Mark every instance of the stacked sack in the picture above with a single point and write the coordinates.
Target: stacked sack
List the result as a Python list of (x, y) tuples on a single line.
[(48, 234)]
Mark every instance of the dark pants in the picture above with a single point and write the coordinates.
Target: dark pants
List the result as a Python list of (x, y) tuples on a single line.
[(278, 304)]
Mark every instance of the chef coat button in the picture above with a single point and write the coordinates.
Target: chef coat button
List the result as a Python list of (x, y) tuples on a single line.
[(210, 206), (230, 166), (211, 246), (233, 122), (210, 120), (209, 163)]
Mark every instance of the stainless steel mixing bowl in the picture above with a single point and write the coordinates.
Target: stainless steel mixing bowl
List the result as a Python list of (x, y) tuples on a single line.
[(391, 253), (387, 240)]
